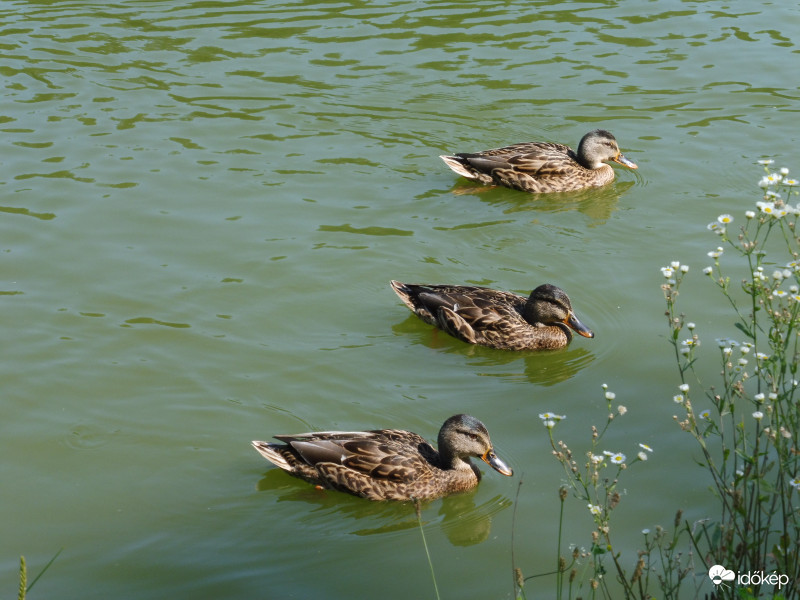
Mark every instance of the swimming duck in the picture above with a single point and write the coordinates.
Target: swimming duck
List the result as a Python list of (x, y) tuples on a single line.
[(503, 320), (388, 464), (544, 166)]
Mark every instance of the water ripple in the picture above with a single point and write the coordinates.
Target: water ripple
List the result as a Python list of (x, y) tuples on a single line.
[(235, 182)]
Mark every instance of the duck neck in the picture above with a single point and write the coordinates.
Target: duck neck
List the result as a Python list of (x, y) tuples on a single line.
[(567, 331), (581, 158), (451, 461)]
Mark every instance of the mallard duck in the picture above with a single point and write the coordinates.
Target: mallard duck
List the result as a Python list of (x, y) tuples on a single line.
[(503, 320), (544, 166), (388, 464)]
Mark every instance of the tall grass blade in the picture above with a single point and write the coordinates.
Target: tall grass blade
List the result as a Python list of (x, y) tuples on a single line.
[(425, 543), (47, 566)]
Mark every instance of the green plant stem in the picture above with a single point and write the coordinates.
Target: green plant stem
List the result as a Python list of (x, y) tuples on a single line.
[(516, 587), (42, 572), (560, 574), (425, 544)]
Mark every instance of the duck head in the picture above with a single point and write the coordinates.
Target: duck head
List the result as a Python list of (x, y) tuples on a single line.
[(463, 436), (550, 305), (598, 147)]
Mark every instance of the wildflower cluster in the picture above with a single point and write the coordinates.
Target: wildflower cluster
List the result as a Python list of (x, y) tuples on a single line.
[(674, 274), (754, 414), (747, 427), (775, 204), (549, 419), (595, 483), (772, 287)]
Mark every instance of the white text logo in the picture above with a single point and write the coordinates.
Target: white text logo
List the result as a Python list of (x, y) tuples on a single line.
[(719, 575)]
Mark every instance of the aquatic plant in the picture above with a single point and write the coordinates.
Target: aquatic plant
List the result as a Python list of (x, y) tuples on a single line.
[(24, 586), (418, 510), (595, 481), (747, 428)]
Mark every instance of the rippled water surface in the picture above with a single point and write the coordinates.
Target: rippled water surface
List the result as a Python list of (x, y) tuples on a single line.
[(202, 204)]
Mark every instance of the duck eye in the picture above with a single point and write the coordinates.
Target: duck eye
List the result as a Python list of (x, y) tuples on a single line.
[(471, 434)]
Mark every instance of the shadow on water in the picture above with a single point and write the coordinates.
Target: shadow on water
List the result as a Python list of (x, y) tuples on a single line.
[(597, 204), (543, 367), (463, 522)]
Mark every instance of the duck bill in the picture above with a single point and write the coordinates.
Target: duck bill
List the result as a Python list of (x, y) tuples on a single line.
[(620, 158), (491, 459), (573, 323)]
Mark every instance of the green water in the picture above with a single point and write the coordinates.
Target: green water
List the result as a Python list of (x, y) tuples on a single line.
[(202, 205)]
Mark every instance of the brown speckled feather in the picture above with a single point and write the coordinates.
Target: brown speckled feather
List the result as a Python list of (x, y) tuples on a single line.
[(544, 166), (387, 464), (494, 318)]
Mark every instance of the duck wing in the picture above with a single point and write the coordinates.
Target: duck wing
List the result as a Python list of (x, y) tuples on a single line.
[(425, 300), (428, 299), (476, 325), (388, 455), (478, 306), (537, 159)]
